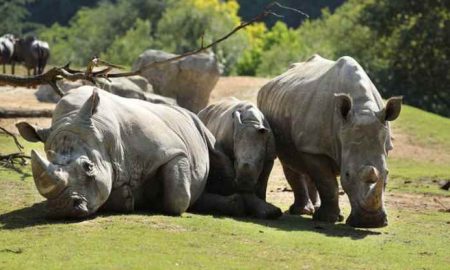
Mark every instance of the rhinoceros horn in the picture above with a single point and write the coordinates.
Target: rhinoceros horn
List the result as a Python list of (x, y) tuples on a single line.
[(372, 199), (47, 182)]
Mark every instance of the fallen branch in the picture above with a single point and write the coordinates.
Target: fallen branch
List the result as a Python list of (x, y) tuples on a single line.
[(11, 161), (13, 113), (58, 73)]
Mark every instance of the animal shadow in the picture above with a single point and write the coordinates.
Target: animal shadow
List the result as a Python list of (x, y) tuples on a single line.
[(31, 216), (299, 223)]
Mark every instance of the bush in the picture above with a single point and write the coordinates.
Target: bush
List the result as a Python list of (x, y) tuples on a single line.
[(125, 49)]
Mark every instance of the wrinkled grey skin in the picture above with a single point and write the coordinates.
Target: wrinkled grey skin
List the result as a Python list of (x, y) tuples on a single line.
[(245, 137), (33, 53), (6, 50), (112, 153), (328, 120)]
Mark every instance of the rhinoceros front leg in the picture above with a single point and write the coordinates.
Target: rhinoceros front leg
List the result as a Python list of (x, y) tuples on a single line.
[(302, 203), (120, 200), (176, 178), (261, 187), (258, 208), (210, 203), (320, 170)]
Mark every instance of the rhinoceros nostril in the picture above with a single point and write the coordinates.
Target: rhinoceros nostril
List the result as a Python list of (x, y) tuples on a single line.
[(77, 202)]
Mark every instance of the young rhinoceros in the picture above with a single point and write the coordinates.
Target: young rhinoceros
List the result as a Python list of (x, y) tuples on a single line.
[(245, 137), (328, 120), (119, 154)]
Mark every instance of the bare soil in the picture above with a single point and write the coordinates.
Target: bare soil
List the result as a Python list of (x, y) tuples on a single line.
[(279, 191)]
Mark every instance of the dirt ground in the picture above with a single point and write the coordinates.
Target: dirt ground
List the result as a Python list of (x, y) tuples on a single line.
[(279, 191)]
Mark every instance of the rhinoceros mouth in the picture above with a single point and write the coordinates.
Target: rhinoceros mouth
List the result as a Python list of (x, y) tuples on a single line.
[(73, 206), (367, 219)]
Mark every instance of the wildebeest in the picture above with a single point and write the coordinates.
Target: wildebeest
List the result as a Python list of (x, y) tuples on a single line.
[(245, 137), (105, 151), (33, 53), (6, 50), (328, 120)]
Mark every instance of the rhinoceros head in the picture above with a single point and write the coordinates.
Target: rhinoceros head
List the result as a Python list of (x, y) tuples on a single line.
[(365, 143), (252, 144), (76, 176)]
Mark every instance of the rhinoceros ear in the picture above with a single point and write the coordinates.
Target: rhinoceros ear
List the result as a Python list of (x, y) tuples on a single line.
[(90, 106), (393, 108), (343, 103), (32, 133)]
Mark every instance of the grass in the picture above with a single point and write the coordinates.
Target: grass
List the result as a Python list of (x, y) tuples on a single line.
[(414, 239), (426, 128)]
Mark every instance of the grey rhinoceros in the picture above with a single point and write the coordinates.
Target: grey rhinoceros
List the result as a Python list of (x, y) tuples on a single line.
[(113, 153), (245, 137), (328, 120)]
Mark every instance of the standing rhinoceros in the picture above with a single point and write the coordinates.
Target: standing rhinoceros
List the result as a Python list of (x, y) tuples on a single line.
[(328, 120), (105, 151), (33, 53), (6, 50), (245, 137)]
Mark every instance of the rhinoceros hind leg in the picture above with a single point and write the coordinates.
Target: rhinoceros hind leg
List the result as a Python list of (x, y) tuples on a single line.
[(302, 203), (210, 203), (176, 186)]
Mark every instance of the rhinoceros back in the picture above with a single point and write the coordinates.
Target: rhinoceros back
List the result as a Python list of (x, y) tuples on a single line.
[(300, 104)]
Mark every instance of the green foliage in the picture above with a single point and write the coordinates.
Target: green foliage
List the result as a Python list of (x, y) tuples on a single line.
[(125, 49), (90, 33), (185, 22), (12, 14), (271, 52), (415, 36)]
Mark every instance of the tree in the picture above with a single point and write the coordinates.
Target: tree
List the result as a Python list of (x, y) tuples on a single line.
[(12, 14), (415, 36), (185, 22)]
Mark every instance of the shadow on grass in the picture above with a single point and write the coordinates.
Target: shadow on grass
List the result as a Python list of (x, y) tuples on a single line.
[(36, 215), (299, 223)]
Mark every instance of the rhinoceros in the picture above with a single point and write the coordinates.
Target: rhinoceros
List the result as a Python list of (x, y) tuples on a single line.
[(6, 50), (33, 53), (105, 152), (328, 120), (245, 137)]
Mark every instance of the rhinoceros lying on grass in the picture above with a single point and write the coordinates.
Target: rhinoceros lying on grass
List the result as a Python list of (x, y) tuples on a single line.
[(329, 119), (245, 137), (120, 154)]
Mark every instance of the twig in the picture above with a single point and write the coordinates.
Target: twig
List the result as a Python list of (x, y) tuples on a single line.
[(16, 141), (441, 204), (10, 160)]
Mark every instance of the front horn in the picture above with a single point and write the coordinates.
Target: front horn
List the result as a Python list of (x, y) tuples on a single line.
[(47, 182)]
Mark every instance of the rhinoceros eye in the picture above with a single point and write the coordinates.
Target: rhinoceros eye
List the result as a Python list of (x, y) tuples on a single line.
[(87, 166)]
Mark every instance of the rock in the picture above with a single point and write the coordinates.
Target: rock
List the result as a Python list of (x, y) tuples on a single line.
[(189, 80), (45, 92), (129, 87)]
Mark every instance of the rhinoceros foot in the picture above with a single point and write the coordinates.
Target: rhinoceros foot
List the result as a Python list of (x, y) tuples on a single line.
[(307, 209), (259, 208), (328, 215)]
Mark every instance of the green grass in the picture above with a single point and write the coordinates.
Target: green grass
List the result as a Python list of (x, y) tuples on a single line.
[(414, 239), (426, 128)]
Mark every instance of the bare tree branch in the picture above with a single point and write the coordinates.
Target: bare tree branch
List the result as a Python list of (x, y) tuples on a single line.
[(12, 160)]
